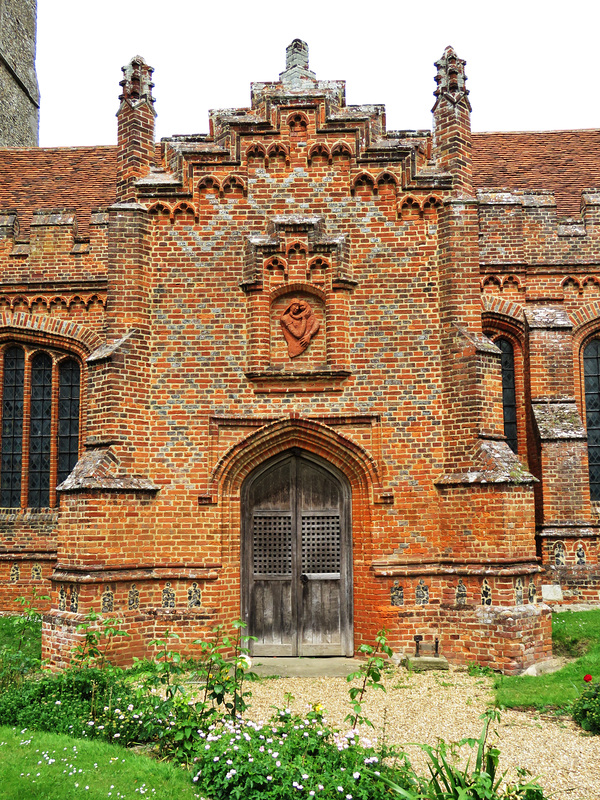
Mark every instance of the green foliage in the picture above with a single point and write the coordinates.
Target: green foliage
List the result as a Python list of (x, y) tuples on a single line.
[(48, 766), (177, 699), (191, 712), (98, 633), (586, 709), (83, 702), (223, 677), (20, 642), (291, 757), (478, 670), (448, 781), (369, 676)]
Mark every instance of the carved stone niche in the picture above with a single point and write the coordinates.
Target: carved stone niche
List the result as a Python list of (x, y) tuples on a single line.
[(298, 332), (297, 280)]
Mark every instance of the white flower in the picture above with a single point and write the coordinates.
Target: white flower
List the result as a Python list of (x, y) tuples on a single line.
[(356, 775), (116, 735)]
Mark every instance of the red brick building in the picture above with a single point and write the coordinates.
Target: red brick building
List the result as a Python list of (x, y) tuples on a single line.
[(305, 370)]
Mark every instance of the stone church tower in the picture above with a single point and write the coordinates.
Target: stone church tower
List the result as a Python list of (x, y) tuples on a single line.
[(19, 93)]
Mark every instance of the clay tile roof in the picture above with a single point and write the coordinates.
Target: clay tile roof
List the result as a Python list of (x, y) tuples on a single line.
[(33, 178), (564, 162)]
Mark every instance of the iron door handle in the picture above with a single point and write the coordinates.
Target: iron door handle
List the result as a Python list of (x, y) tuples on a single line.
[(304, 578)]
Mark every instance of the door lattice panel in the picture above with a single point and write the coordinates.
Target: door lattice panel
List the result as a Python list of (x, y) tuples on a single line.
[(272, 544), (321, 543)]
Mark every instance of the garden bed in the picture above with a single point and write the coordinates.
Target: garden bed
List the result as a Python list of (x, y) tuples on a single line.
[(420, 707)]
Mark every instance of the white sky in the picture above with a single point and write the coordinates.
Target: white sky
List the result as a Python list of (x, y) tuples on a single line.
[(531, 65)]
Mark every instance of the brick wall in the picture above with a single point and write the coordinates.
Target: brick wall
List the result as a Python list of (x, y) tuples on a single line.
[(175, 306)]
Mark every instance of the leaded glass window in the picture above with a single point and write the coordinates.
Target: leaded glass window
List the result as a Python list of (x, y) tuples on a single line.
[(40, 415), (68, 418), (12, 428), (40, 426), (591, 369), (509, 397)]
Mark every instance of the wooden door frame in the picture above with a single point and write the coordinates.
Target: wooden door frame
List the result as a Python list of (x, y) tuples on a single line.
[(346, 571)]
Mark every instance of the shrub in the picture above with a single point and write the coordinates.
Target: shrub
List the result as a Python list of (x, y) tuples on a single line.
[(21, 646), (82, 702), (291, 757), (586, 709)]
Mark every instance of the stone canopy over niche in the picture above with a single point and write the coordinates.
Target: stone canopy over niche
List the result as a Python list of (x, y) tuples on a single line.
[(297, 261)]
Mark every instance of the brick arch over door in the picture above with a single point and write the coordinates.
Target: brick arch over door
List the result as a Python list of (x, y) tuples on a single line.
[(356, 463), (296, 557)]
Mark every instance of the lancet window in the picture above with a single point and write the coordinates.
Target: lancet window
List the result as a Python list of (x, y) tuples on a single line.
[(40, 425)]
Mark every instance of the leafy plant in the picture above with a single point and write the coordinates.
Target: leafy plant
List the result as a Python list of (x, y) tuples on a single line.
[(291, 757), (450, 782), (81, 702), (222, 676), (98, 633), (586, 709), (20, 653), (370, 676), (175, 716), (476, 670)]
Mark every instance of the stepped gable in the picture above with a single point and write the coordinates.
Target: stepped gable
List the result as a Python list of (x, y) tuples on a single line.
[(80, 178), (564, 162)]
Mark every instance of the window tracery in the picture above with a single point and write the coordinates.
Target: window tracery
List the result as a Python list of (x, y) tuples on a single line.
[(40, 425)]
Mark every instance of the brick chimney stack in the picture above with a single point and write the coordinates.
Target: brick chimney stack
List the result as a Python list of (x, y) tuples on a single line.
[(452, 121), (135, 127)]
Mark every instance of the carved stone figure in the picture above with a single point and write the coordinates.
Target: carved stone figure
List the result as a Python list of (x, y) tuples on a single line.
[(299, 326)]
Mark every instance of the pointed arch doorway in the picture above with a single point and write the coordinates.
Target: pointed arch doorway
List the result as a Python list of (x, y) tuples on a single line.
[(297, 558)]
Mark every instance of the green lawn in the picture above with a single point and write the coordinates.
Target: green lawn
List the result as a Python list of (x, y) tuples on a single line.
[(574, 634), (45, 766)]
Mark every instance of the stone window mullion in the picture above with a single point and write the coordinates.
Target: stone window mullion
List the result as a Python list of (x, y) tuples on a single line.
[(26, 429), (54, 434)]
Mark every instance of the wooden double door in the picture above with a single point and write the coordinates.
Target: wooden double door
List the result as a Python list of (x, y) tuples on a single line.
[(296, 559)]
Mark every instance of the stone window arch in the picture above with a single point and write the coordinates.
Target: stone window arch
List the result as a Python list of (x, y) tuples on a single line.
[(40, 409)]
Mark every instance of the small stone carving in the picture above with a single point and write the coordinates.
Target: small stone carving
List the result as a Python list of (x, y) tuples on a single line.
[(62, 599), (580, 554), (461, 594), (532, 592), (422, 594), (299, 326), (168, 596), (519, 591), (133, 597), (74, 600), (397, 594), (486, 593), (559, 554), (36, 572), (194, 596), (15, 573), (107, 601)]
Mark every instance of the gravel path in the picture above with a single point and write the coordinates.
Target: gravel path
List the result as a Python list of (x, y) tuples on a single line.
[(422, 707)]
